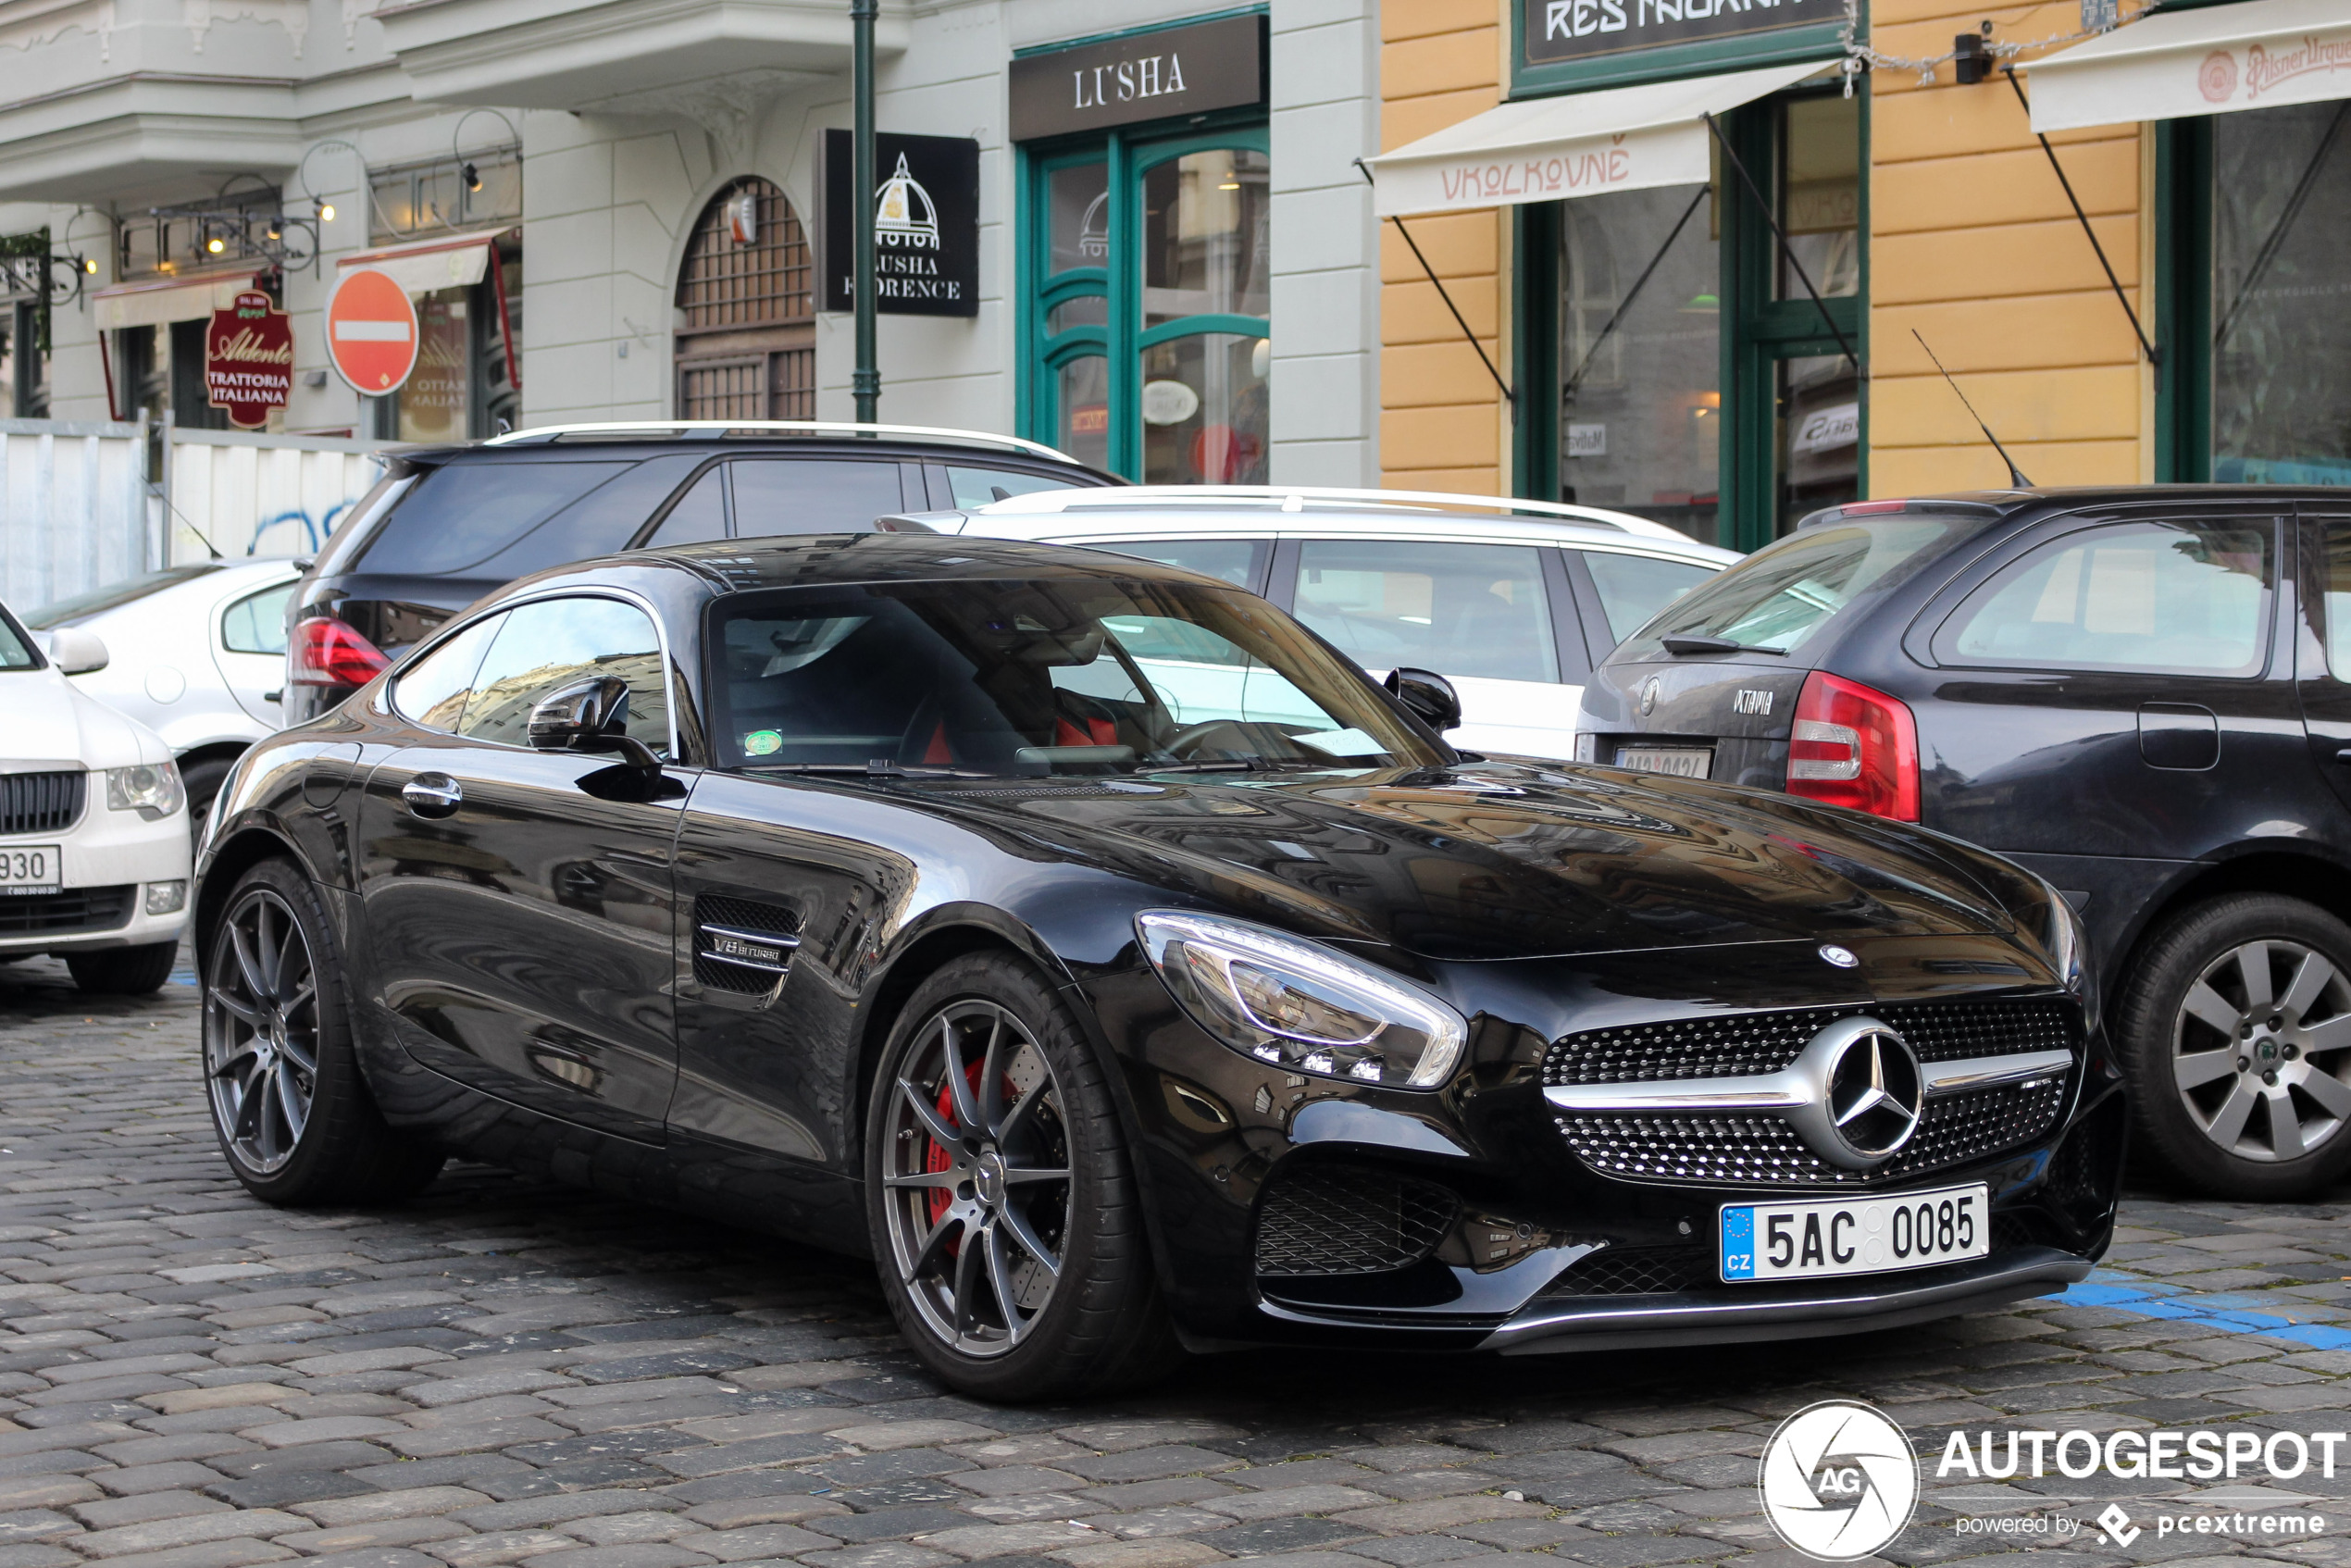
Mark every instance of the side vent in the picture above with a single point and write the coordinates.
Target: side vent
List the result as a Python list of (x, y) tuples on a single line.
[(742, 946)]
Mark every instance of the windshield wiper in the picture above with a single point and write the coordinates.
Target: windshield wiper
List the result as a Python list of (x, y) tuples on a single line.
[(880, 768), (1682, 643)]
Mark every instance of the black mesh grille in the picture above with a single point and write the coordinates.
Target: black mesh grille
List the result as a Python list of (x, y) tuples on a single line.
[(1637, 1271), (1764, 1149), (1349, 1219), (76, 909), (2081, 1176), (1731, 1045), (40, 803), (743, 914)]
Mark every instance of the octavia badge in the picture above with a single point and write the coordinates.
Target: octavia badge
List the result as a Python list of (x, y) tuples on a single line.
[(1840, 956)]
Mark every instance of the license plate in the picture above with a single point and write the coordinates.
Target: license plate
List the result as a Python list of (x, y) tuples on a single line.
[(1843, 1236), (30, 869), (1683, 762)]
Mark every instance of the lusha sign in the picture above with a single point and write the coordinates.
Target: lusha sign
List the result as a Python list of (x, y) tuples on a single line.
[(1561, 32), (1139, 76), (248, 359), (926, 225)]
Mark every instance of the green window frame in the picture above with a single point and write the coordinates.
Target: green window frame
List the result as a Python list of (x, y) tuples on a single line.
[(1759, 332), (1127, 155)]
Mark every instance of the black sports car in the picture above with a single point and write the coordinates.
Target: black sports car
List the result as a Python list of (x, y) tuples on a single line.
[(1115, 963)]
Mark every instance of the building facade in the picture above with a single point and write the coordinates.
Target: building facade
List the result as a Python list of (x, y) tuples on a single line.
[(616, 211), (1695, 259)]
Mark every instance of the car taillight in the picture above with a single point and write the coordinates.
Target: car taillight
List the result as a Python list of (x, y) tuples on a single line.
[(1854, 747), (329, 652)]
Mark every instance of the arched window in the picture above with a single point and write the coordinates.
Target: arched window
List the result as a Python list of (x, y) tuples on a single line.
[(746, 313)]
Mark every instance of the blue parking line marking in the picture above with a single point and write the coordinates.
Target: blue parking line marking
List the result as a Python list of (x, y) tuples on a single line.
[(2231, 1311)]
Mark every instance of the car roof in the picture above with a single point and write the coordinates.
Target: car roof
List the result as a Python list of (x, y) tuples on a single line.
[(739, 566), (640, 438), (1259, 511)]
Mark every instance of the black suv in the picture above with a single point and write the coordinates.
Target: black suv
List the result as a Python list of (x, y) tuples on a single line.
[(2142, 693), (446, 525)]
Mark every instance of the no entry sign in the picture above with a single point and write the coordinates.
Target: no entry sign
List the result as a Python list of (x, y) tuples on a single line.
[(371, 331)]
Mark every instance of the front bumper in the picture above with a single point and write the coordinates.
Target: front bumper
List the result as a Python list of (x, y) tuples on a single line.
[(109, 859)]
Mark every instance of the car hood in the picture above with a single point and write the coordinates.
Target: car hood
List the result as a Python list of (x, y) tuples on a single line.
[(1504, 862), (51, 723)]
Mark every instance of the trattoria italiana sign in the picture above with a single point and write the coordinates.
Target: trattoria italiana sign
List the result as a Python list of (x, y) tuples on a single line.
[(248, 359)]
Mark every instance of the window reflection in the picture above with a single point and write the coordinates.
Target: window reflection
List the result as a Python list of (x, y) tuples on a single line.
[(1084, 403), (1821, 195), (1079, 221), (1205, 236), (1204, 409)]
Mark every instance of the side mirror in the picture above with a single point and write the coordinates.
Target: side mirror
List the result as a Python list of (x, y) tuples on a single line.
[(1427, 696), (589, 715), (77, 651)]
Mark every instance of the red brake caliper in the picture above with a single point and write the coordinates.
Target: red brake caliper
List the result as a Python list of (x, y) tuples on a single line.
[(938, 1159)]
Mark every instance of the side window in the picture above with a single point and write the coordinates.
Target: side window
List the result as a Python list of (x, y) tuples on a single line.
[(1458, 609), (812, 495), (2188, 597), (699, 515), (256, 623), (1634, 588), (1237, 561), (547, 645), (432, 690), (1198, 676), (603, 520), (977, 487), (2338, 597)]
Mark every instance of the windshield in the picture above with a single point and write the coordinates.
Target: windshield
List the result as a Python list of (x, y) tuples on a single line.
[(1088, 675), (16, 649), (1778, 597), (114, 595)]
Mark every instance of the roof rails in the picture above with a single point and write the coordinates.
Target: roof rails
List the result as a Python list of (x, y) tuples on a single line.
[(1295, 498), (547, 434)]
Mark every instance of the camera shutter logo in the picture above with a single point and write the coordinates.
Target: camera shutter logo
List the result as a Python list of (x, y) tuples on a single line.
[(1838, 1481)]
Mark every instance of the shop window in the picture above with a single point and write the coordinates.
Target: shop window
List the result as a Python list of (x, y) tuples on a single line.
[(2254, 277), (1148, 305), (463, 387), (445, 195), (1689, 373), (24, 361), (746, 335)]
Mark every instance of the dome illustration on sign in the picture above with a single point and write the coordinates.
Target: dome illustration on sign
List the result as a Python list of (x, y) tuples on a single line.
[(1093, 228), (894, 220)]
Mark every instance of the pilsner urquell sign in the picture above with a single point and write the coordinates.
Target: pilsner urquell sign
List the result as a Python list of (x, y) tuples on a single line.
[(248, 359)]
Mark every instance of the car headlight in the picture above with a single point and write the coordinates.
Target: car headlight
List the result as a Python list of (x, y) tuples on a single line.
[(2067, 942), (1300, 1006), (151, 789)]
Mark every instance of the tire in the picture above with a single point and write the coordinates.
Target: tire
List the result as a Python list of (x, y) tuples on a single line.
[(1009, 1289), (124, 971), (293, 1114), (202, 781), (2257, 979)]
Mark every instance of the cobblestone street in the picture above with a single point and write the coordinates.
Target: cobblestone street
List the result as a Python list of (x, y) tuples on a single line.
[(506, 1371)]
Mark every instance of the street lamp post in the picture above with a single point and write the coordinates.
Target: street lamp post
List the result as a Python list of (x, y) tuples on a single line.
[(865, 380)]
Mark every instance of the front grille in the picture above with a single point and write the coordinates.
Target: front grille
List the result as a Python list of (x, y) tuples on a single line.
[(1327, 1219), (742, 914), (1734, 1045), (1637, 1271), (76, 909), (40, 803), (1735, 1150)]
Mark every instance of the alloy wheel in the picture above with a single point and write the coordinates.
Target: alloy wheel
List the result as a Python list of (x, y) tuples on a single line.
[(2261, 1049), (977, 1170), (261, 1031)]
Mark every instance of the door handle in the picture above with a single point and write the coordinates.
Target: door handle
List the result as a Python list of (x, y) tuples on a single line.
[(433, 794), (2344, 756)]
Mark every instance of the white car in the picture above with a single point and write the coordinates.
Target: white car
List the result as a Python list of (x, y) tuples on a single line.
[(197, 653), (93, 823), (1513, 601)]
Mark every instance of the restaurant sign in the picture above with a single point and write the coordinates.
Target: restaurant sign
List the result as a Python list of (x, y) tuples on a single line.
[(1570, 31), (1135, 77), (248, 359)]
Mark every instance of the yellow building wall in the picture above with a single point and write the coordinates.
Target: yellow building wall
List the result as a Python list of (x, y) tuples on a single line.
[(1972, 245), (1441, 425)]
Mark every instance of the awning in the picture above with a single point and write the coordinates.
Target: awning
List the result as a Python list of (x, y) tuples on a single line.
[(167, 300), (452, 261), (2252, 56), (1542, 149)]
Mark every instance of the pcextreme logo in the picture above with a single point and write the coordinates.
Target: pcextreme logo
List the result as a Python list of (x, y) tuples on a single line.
[(1838, 1481)]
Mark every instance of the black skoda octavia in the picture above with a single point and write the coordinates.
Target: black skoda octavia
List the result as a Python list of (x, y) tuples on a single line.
[(1124, 971)]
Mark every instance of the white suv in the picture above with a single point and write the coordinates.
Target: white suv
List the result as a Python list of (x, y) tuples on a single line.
[(1514, 602), (93, 832)]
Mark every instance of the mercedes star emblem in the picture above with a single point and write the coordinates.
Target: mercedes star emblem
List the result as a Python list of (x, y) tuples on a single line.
[(1840, 956), (1862, 1093)]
